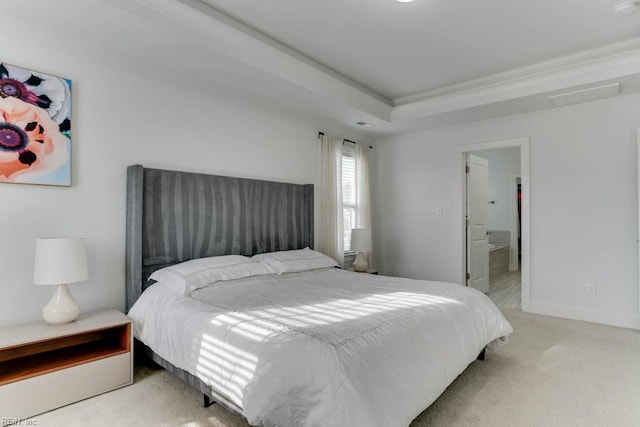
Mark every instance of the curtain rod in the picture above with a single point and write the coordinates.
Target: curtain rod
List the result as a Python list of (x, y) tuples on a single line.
[(321, 134)]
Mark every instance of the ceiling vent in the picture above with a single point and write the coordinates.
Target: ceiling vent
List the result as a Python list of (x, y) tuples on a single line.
[(366, 125), (584, 95)]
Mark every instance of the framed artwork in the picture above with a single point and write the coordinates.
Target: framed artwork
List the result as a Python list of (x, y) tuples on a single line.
[(35, 127)]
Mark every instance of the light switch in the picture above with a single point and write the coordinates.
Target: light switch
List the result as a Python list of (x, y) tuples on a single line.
[(439, 210)]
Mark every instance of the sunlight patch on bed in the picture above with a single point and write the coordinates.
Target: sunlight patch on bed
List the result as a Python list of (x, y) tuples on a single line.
[(228, 368), (260, 325)]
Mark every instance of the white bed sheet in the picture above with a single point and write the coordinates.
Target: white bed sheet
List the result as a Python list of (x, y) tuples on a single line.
[(322, 348)]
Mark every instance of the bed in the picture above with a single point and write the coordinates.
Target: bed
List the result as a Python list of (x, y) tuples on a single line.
[(310, 346)]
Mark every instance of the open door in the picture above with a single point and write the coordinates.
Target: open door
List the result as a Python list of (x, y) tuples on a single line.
[(477, 213)]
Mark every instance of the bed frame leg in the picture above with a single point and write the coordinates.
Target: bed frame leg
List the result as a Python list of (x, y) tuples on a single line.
[(481, 355), (207, 401)]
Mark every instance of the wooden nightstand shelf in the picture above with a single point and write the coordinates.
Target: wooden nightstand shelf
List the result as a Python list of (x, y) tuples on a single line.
[(43, 367)]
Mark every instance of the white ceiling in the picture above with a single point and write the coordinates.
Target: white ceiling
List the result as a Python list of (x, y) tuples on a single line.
[(400, 49), (399, 66)]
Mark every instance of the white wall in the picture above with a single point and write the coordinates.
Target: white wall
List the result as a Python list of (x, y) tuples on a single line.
[(503, 164), (583, 205), (127, 112)]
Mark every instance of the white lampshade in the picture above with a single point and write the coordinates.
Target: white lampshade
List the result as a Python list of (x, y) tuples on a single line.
[(361, 240), (60, 260)]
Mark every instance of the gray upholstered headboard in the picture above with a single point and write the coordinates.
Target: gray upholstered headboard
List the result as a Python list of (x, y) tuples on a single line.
[(177, 216)]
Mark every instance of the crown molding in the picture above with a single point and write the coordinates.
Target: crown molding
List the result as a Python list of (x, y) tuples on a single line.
[(530, 70), (468, 96)]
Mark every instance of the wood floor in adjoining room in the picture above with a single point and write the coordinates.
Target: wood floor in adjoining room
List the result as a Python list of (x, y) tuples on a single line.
[(505, 290)]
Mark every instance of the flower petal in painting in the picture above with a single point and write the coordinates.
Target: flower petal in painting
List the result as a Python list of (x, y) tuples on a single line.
[(12, 138), (30, 142), (48, 92)]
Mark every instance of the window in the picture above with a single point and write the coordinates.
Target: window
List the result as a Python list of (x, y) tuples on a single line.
[(344, 194), (349, 199)]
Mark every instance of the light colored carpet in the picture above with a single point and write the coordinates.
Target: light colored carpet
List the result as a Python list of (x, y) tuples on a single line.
[(553, 372)]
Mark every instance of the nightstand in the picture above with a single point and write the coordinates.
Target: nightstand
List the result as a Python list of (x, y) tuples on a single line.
[(43, 367)]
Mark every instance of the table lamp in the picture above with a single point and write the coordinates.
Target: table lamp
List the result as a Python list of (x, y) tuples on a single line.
[(360, 243), (60, 261)]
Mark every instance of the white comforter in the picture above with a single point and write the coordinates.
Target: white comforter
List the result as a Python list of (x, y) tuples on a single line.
[(322, 348)]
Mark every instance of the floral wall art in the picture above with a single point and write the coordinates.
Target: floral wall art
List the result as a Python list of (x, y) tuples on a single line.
[(35, 127)]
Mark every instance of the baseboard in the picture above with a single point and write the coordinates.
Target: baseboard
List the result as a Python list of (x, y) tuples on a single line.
[(584, 314)]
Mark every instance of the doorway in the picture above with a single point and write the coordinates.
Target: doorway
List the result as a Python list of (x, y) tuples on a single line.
[(496, 222)]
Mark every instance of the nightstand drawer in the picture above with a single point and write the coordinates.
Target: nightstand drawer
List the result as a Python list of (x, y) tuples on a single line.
[(43, 393)]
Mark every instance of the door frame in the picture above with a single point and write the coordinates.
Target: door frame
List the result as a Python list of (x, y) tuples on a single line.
[(638, 236), (525, 230), (513, 244)]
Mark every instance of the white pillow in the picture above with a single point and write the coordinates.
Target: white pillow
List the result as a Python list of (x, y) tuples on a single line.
[(296, 260), (197, 273)]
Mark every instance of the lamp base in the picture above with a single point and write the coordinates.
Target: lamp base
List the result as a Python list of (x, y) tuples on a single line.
[(62, 308), (360, 264)]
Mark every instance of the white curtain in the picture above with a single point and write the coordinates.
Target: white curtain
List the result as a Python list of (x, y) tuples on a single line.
[(331, 237), (363, 191)]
